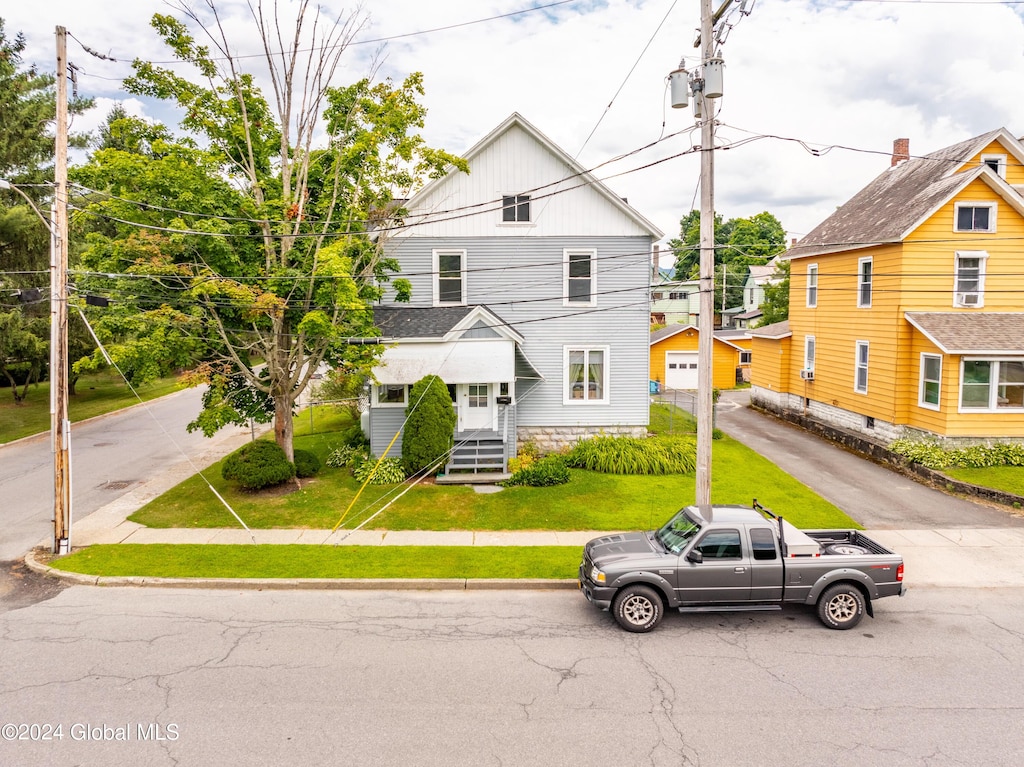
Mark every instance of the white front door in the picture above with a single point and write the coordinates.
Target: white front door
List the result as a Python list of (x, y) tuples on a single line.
[(476, 406)]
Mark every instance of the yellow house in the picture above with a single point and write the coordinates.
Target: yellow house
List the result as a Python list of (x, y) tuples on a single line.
[(674, 358), (906, 305)]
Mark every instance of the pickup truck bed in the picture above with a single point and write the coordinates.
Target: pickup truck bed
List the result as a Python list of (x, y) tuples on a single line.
[(737, 558)]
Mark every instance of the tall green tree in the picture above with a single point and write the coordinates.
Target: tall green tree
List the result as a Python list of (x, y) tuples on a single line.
[(775, 307), (739, 243), (27, 110), (273, 266)]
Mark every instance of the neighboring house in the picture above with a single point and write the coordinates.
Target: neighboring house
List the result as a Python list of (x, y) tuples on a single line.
[(674, 302), (905, 308), (749, 314), (674, 355), (530, 299), (741, 338)]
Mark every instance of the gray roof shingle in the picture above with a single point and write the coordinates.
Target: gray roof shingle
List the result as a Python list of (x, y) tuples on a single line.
[(972, 332)]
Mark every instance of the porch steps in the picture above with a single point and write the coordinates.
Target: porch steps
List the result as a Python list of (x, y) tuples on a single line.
[(480, 456)]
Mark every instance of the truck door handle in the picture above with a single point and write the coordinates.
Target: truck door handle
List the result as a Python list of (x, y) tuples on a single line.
[(739, 569)]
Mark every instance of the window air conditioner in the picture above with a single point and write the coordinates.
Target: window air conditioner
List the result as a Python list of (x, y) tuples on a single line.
[(967, 299), (807, 374)]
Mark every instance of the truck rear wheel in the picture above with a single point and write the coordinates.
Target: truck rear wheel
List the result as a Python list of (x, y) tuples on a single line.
[(637, 608), (841, 606)]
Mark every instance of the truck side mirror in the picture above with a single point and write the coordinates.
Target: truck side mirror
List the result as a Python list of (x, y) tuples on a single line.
[(695, 555)]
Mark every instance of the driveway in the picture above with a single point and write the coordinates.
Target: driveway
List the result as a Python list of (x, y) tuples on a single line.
[(877, 497)]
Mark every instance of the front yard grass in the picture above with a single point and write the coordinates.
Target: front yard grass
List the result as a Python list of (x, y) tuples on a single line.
[(305, 561), (590, 501), (1009, 479)]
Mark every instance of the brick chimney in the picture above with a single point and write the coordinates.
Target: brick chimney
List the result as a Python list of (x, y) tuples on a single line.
[(900, 151)]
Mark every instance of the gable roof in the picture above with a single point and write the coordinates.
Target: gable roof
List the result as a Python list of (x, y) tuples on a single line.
[(667, 332), (438, 323), (584, 176), (972, 332), (903, 197)]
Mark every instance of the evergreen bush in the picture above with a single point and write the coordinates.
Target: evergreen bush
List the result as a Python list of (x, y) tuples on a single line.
[(258, 465), (306, 464), (429, 431)]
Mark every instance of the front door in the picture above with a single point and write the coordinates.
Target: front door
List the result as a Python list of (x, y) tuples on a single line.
[(476, 407)]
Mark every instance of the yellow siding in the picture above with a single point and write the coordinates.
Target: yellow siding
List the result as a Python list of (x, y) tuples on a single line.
[(1014, 172), (770, 362), (724, 362)]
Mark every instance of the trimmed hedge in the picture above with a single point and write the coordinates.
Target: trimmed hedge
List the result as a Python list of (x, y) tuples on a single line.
[(258, 465)]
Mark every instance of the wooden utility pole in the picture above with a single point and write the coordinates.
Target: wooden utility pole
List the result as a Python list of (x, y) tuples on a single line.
[(60, 427), (705, 343)]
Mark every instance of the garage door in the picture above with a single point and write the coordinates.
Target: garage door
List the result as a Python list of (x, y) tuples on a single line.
[(680, 370)]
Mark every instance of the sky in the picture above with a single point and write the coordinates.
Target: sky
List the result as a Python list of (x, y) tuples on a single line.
[(815, 91)]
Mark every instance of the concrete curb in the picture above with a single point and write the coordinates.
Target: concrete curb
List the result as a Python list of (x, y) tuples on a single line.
[(323, 584)]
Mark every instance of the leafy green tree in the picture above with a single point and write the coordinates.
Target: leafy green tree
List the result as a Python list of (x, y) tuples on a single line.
[(23, 351), (27, 108), (428, 435), (775, 307), (272, 268), (739, 243)]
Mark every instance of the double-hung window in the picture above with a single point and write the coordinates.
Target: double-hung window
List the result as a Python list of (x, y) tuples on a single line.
[(860, 384), (586, 375), (970, 278), (578, 277), (992, 384), (812, 286), (515, 208), (931, 381), (974, 217), (449, 277), (864, 278), (809, 353)]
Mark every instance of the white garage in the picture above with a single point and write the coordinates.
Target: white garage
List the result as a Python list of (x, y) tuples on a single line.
[(680, 370)]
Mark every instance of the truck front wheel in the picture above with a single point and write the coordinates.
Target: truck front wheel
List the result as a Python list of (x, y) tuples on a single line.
[(637, 608), (841, 606)]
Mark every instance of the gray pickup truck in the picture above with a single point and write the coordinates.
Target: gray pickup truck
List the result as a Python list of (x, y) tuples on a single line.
[(718, 558)]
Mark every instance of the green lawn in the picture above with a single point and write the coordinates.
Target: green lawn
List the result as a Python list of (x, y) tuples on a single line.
[(94, 395), (1009, 479), (299, 561)]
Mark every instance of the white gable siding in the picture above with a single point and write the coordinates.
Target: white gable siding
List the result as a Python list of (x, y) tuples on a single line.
[(514, 163)]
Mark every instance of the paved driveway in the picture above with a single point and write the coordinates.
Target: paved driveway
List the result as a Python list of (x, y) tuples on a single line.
[(878, 498)]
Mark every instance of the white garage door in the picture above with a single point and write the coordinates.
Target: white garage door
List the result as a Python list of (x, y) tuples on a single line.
[(680, 370)]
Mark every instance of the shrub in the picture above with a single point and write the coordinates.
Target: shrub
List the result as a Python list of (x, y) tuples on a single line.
[(428, 434), (630, 455), (935, 456), (306, 464), (341, 456), (257, 465), (528, 455), (354, 437), (544, 472), (388, 472)]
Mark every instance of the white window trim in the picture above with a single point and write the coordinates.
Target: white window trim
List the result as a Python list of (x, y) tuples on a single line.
[(993, 387), (810, 351), (378, 403), (745, 357), (566, 393), (857, 366), (993, 212), (861, 283), (921, 382), (436, 255), (982, 255), (521, 224), (999, 159), (812, 285), (592, 252)]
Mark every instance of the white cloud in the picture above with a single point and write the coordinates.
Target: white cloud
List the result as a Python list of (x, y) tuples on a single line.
[(856, 75)]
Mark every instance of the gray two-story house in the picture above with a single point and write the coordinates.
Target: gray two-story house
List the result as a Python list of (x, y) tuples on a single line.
[(530, 300)]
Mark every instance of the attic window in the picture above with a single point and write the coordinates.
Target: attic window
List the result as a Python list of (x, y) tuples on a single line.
[(996, 162), (975, 217), (515, 208)]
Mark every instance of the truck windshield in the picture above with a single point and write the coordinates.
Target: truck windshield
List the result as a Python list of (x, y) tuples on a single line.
[(675, 533)]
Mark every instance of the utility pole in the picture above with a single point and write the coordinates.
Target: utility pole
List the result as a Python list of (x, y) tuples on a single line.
[(60, 426), (705, 343)]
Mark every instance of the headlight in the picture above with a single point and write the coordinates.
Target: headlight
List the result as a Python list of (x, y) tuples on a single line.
[(596, 575)]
